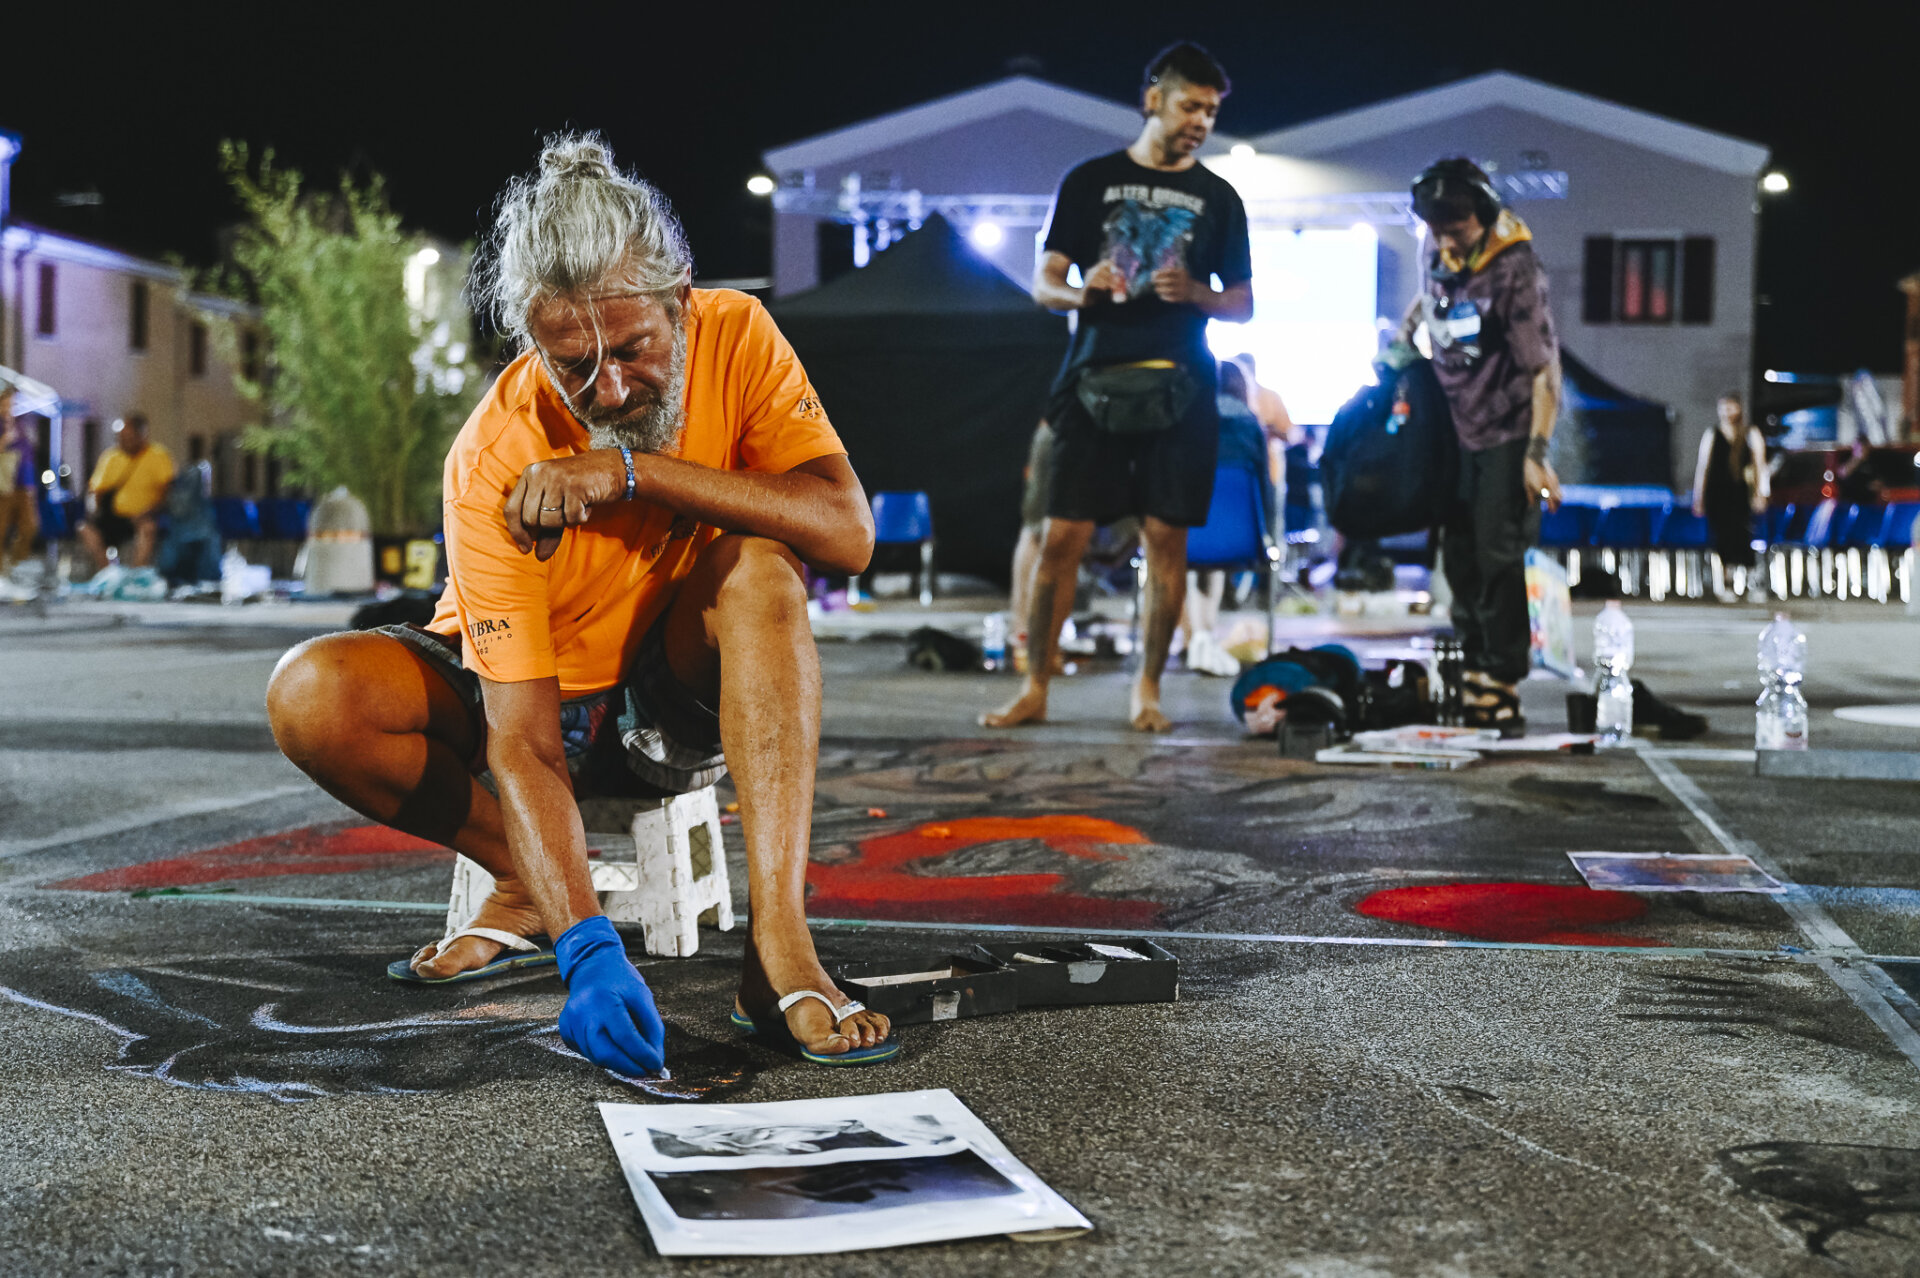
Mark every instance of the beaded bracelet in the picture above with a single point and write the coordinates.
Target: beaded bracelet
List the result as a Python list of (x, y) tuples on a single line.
[(626, 455)]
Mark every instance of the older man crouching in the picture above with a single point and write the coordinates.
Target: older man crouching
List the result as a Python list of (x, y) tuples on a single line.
[(626, 515)]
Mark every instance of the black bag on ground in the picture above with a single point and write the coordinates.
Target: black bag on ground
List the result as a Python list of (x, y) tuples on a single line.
[(1391, 464), (939, 652)]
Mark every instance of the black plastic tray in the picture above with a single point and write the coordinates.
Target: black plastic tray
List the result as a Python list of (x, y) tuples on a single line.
[(1074, 973), (981, 988)]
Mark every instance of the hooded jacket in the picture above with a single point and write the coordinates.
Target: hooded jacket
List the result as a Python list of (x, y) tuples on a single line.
[(1491, 329)]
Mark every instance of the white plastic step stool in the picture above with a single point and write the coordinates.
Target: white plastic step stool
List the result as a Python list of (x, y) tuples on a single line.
[(676, 879)]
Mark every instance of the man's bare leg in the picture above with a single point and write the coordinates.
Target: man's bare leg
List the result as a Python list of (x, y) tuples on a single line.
[(1166, 594), (1062, 546), (377, 728), (743, 610), (1026, 564), (146, 538), (96, 545)]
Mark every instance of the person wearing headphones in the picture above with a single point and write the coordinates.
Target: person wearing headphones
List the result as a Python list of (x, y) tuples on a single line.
[(1484, 306)]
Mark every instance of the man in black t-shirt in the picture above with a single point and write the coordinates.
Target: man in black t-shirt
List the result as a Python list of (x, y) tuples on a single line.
[(1135, 426)]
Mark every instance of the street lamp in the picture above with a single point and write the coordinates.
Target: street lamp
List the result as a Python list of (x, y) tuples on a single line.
[(1775, 183), (760, 184)]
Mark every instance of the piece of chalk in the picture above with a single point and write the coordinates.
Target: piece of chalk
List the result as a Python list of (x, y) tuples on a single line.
[(1114, 952)]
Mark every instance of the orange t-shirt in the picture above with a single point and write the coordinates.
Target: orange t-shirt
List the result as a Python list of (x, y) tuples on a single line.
[(581, 614)]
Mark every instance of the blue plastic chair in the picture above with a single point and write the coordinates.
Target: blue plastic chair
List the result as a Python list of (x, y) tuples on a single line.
[(1235, 534), (1860, 526), (1681, 529), (1896, 530), (903, 519), (1681, 539), (1625, 527), (1568, 528), (53, 518), (284, 518), (1237, 537), (237, 518), (1818, 534)]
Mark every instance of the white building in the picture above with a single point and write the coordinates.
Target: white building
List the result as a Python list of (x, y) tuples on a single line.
[(116, 334), (1646, 226)]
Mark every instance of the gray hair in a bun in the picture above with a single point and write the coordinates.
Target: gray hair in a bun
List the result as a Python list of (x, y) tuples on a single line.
[(578, 227)]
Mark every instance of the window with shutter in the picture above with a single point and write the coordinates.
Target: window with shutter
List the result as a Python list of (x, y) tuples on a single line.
[(1696, 279)]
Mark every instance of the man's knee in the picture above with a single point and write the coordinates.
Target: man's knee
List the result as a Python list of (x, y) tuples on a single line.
[(312, 696), (1166, 543), (1065, 540), (758, 573)]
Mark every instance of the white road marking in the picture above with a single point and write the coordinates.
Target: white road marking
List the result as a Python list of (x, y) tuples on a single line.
[(1840, 951)]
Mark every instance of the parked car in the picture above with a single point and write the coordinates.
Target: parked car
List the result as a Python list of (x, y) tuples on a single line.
[(1807, 476)]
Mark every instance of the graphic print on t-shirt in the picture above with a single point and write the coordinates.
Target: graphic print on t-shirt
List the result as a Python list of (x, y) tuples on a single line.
[(1146, 229)]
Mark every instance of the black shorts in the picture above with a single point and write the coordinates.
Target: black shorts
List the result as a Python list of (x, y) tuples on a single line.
[(647, 737), (1167, 475), (114, 530)]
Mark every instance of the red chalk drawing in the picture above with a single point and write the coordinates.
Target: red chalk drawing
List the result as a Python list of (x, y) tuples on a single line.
[(890, 878), (312, 850), (1543, 913)]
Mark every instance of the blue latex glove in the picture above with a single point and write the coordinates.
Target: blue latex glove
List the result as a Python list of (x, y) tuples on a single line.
[(609, 1017)]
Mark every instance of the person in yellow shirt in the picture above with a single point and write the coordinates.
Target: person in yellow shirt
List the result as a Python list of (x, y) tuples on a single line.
[(627, 513), (129, 483)]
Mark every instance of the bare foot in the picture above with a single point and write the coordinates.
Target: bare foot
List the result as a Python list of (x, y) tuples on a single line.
[(1146, 712), (1029, 707), (812, 1026), (509, 909), (808, 1020)]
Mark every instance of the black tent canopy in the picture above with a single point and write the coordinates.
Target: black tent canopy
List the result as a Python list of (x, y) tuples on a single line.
[(934, 367), (1617, 437)]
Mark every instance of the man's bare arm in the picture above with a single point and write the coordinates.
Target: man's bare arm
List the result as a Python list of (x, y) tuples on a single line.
[(1051, 290), (818, 508), (1541, 482), (544, 833)]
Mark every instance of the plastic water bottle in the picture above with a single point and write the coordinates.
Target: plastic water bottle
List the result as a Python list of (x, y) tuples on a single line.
[(993, 640), (233, 576), (1612, 688), (1780, 715)]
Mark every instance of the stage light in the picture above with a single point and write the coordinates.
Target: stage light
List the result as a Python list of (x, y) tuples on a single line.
[(1241, 151), (986, 235), (760, 184), (1775, 183)]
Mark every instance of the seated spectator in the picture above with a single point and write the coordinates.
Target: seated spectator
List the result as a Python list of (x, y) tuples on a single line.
[(128, 486), (191, 550)]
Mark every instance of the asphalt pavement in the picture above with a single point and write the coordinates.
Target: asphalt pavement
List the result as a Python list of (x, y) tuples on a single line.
[(1409, 1040)]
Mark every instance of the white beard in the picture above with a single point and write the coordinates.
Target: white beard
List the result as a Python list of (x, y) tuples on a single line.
[(654, 429)]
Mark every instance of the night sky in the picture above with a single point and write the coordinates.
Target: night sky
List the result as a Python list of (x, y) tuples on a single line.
[(447, 101)]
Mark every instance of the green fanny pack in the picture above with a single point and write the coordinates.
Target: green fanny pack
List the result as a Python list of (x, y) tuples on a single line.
[(1136, 399)]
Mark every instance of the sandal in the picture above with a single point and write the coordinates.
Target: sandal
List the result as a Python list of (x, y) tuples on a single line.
[(777, 1033), (521, 952), (1485, 704)]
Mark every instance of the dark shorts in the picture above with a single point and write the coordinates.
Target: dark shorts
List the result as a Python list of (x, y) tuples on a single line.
[(647, 737), (114, 530), (1105, 477)]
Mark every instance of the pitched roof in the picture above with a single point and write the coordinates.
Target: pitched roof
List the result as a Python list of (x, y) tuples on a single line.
[(1015, 93), (1503, 88)]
